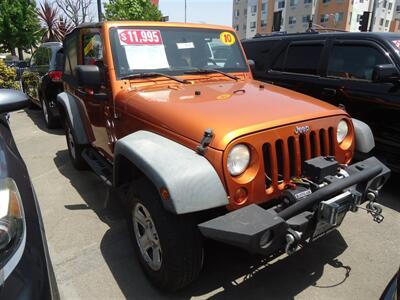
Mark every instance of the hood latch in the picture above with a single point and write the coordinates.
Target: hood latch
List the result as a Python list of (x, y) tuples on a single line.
[(205, 141)]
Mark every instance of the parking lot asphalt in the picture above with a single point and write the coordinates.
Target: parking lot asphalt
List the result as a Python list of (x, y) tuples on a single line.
[(93, 257)]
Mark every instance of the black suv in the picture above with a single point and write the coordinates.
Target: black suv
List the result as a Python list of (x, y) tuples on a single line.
[(357, 70), (42, 80), (25, 267)]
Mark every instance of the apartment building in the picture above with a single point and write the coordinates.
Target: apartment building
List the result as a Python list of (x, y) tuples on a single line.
[(257, 16)]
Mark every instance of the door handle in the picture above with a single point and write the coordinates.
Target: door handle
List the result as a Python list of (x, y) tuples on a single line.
[(329, 92)]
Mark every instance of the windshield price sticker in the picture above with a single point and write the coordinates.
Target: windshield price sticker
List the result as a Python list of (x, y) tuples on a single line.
[(139, 37), (397, 43), (227, 38)]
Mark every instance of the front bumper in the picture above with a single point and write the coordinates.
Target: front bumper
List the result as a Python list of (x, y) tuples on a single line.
[(278, 228)]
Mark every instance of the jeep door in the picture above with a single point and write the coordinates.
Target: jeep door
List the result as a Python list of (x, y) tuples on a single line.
[(98, 110), (349, 73), (298, 67)]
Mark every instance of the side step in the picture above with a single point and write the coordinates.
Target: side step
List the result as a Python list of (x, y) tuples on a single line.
[(98, 164)]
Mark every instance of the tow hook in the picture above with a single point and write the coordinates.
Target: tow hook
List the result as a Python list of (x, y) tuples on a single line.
[(373, 208), (292, 241)]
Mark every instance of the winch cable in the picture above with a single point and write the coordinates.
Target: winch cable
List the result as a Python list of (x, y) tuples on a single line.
[(329, 191)]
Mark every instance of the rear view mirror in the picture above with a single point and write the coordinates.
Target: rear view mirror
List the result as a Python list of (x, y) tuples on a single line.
[(385, 73), (88, 76), (11, 100)]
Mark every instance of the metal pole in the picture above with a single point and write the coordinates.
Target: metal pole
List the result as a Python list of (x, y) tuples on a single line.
[(185, 11), (372, 22), (99, 10)]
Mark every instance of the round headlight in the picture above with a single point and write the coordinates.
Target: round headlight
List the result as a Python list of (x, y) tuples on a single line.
[(342, 131), (238, 159)]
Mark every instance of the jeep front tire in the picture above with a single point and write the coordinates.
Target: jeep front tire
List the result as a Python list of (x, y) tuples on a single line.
[(169, 247)]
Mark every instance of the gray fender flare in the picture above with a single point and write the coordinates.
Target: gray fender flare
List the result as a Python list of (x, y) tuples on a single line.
[(192, 182), (364, 137), (72, 112)]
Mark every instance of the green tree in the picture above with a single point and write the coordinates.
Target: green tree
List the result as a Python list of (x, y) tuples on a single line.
[(140, 10), (19, 25)]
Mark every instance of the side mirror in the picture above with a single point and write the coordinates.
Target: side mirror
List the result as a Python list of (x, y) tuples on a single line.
[(385, 73), (11, 100), (88, 76), (252, 64)]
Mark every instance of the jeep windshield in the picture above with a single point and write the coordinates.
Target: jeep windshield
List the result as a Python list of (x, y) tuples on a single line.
[(175, 51)]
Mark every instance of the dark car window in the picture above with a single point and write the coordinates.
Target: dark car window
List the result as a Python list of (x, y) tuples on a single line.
[(43, 56), (92, 49), (279, 62), (303, 59), (355, 62)]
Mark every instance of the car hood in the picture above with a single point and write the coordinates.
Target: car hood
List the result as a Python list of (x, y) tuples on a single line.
[(231, 109)]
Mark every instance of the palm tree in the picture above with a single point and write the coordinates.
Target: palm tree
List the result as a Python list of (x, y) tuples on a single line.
[(49, 17), (62, 28)]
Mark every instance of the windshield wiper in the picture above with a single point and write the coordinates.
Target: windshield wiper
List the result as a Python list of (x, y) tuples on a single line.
[(153, 74), (209, 71)]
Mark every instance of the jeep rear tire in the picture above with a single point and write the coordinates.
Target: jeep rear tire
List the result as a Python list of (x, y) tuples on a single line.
[(169, 247), (74, 149)]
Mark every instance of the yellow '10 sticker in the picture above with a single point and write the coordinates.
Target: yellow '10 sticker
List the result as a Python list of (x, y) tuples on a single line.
[(227, 38)]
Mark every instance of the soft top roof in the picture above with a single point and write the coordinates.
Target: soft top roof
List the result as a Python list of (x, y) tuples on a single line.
[(110, 24)]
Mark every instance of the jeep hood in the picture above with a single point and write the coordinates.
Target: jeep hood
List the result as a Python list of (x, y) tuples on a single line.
[(230, 108)]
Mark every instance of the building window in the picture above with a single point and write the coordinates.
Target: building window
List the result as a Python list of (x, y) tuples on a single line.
[(237, 1), (307, 1), (263, 23), (252, 25), (253, 9), (381, 22), (245, 12), (293, 2), (324, 18), (237, 28), (281, 4), (237, 13), (292, 20), (326, 1), (339, 16), (351, 16), (244, 27), (263, 7), (397, 8), (361, 1), (358, 18), (306, 19), (387, 23), (341, 1), (390, 6)]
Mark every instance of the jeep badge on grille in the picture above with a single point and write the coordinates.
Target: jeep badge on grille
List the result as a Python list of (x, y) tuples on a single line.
[(302, 129)]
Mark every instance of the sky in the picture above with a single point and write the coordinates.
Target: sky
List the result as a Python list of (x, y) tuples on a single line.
[(218, 12)]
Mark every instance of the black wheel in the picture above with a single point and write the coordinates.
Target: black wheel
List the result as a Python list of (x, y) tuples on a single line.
[(74, 149), (169, 247), (49, 119)]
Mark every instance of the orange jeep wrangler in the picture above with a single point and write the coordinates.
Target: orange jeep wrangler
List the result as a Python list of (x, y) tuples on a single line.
[(169, 116)]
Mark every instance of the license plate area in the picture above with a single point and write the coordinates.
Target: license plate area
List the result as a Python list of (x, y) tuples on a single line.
[(331, 213)]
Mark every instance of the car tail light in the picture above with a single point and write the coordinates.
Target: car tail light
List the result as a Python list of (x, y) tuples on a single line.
[(55, 75)]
